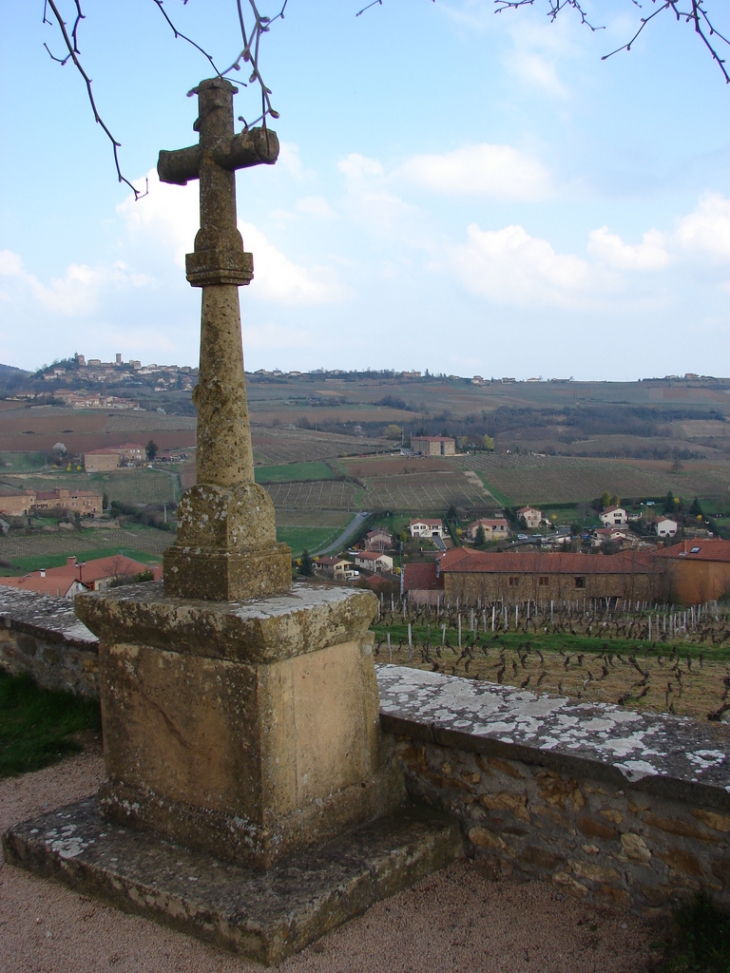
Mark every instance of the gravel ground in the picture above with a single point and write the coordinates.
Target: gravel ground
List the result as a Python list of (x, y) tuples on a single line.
[(458, 920)]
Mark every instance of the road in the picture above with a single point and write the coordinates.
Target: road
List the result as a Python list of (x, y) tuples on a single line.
[(339, 542)]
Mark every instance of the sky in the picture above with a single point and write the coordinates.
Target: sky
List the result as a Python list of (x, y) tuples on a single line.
[(457, 190)]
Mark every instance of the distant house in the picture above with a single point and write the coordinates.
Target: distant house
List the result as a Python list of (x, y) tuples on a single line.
[(75, 576), (433, 445), (603, 535), (111, 457), (529, 517), (16, 503), (494, 528), (371, 561), (425, 527), (332, 567), (665, 527), (698, 570), (83, 502), (613, 517), (378, 540), (422, 584)]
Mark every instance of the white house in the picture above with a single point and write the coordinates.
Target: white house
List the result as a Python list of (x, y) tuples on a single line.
[(665, 527), (426, 528), (613, 517), (371, 561)]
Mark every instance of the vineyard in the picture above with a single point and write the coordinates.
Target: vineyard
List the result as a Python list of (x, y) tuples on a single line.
[(659, 660), (563, 479), (425, 492), (273, 446), (316, 495)]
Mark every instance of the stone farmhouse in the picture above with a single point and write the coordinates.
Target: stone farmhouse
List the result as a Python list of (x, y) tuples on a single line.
[(513, 577), (19, 504), (112, 457), (698, 570), (421, 584), (433, 445), (16, 503), (428, 528), (495, 528), (614, 517), (529, 517)]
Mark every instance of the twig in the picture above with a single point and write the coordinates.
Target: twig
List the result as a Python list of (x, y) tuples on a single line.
[(73, 52)]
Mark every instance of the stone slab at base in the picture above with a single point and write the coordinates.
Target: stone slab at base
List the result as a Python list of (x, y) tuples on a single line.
[(226, 576), (265, 916)]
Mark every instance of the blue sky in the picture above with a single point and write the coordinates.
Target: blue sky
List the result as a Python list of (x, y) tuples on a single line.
[(457, 190)]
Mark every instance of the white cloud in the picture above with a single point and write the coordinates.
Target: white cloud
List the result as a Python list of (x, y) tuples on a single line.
[(511, 267), (650, 254), (77, 292), (483, 170), (536, 70), (278, 279), (169, 216), (315, 206), (356, 166), (707, 229)]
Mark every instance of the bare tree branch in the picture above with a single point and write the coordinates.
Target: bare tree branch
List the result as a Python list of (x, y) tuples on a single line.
[(690, 11), (73, 55)]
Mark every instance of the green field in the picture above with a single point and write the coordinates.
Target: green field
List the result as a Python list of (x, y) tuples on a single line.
[(21, 462), (291, 472), (311, 539)]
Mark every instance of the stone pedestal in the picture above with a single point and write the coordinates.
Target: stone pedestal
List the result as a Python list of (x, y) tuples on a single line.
[(247, 730)]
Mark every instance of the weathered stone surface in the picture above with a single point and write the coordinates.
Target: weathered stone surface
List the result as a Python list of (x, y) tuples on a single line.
[(540, 858), (594, 872), (484, 838), (720, 822), (634, 847), (266, 916), (306, 619), (41, 636), (592, 828), (682, 861), (671, 756), (241, 729)]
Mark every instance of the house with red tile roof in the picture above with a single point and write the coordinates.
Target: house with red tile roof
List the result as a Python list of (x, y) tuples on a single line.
[(372, 561), (75, 576), (427, 527), (698, 569)]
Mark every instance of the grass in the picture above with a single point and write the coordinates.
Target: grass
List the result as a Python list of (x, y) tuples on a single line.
[(698, 940), (291, 472), (37, 726), (500, 497), (554, 642), (35, 563), (21, 462), (310, 538)]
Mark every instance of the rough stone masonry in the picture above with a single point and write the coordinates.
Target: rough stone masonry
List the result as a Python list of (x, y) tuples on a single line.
[(240, 714), (226, 541)]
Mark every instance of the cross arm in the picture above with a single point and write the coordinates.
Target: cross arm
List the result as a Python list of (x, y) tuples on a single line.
[(255, 147)]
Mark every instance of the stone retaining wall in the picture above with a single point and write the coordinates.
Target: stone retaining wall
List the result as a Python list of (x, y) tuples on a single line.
[(41, 635), (625, 809), (622, 808)]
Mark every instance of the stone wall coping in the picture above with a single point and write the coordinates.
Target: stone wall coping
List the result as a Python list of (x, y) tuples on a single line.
[(669, 756), (305, 619), (44, 616)]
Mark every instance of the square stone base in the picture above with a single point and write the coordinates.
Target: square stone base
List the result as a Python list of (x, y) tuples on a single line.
[(265, 916)]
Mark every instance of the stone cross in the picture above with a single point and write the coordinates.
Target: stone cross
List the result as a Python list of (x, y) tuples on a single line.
[(226, 545)]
